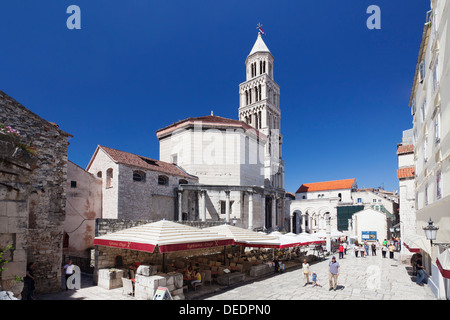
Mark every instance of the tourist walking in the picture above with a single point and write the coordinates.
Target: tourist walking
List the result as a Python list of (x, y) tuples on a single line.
[(384, 249), (366, 248), (69, 269), (356, 250), (391, 250), (334, 269), (29, 280), (314, 279), (341, 251), (420, 273), (374, 249), (361, 250), (306, 272)]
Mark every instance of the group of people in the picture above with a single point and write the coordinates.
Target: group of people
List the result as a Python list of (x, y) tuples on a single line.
[(333, 273), (364, 248)]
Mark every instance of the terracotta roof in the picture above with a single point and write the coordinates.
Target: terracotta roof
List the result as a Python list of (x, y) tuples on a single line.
[(208, 121), (327, 185), (408, 172), (409, 148), (135, 160)]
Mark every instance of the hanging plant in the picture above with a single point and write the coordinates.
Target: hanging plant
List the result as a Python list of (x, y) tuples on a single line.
[(18, 138)]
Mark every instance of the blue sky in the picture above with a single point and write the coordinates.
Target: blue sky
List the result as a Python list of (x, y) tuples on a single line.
[(137, 66)]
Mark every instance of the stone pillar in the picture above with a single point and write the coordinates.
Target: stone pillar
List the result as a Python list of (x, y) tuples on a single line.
[(227, 206), (180, 205), (250, 210), (203, 205), (263, 210), (274, 212), (328, 223)]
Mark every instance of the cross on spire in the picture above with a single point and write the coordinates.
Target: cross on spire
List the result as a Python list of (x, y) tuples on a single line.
[(259, 27)]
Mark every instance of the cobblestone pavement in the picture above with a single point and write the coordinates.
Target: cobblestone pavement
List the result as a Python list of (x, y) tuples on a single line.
[(368, 278)]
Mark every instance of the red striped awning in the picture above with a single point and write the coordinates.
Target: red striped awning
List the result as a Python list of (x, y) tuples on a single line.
[(167, 236)]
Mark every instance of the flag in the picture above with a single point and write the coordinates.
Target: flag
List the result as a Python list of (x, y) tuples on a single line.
[(261, 30)]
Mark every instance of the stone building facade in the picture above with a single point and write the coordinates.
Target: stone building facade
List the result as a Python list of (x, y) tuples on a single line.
[(83, 206), (43, 204), (137, 187), (405, 175)]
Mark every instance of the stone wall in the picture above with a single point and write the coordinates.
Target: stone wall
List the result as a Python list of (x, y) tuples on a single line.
[(46, 199), (16, 166), (83, 206)]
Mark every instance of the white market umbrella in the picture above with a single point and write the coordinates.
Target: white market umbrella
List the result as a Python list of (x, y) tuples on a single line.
[(167, 236), (245, 237), (443, 263), (415, 243)]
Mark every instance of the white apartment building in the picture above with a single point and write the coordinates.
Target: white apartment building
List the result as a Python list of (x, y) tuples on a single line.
[(430, 109)]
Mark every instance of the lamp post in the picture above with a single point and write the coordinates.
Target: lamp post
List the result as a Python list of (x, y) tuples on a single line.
[(430, 231)]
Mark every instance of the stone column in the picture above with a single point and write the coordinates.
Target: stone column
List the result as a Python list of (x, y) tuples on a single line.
[(227, 206), (250, 210), (263, 210), (203, 205), (180, 205), (274, 211), (291, 219)]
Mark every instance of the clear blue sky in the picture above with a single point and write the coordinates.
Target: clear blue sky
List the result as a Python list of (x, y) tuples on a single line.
[(137, 66)]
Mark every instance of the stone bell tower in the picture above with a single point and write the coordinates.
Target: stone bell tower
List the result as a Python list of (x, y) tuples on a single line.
[(260, 108)]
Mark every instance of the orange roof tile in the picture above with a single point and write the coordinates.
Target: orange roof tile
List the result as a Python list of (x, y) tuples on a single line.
[(409, 148), (408, 172), (327, 185), (131, 159)]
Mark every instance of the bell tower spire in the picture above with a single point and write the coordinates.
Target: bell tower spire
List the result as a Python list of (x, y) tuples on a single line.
[(259, 106)]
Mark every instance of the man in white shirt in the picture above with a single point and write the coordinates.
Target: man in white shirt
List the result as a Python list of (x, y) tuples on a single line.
[(69, 269)]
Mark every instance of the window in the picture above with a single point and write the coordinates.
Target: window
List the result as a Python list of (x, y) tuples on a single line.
[(73, 184), (438, 185), (359, 200), (422, 71), (163, 180), (423, 109), (182, 181), (437, 125), (223, 206), (99, 174), (425, 145), (139, 176), (109, 176), (436, 75)]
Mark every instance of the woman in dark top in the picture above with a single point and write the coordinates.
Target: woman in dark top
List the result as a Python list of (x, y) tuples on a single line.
[(29, 280)]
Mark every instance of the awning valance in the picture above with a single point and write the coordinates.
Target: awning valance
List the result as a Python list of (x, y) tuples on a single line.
[(167, 236)]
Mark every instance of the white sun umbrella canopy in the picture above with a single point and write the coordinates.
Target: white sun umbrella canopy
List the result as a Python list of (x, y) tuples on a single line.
[(288, 241), (167, 236), (415, 243), (245, 237), (443, 263), (333, 234)]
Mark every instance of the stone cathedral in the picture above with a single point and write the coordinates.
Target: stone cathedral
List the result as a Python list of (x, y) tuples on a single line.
[(238, 163)]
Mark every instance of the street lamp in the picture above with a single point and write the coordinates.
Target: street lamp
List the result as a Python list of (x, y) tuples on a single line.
[(430, 231)]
